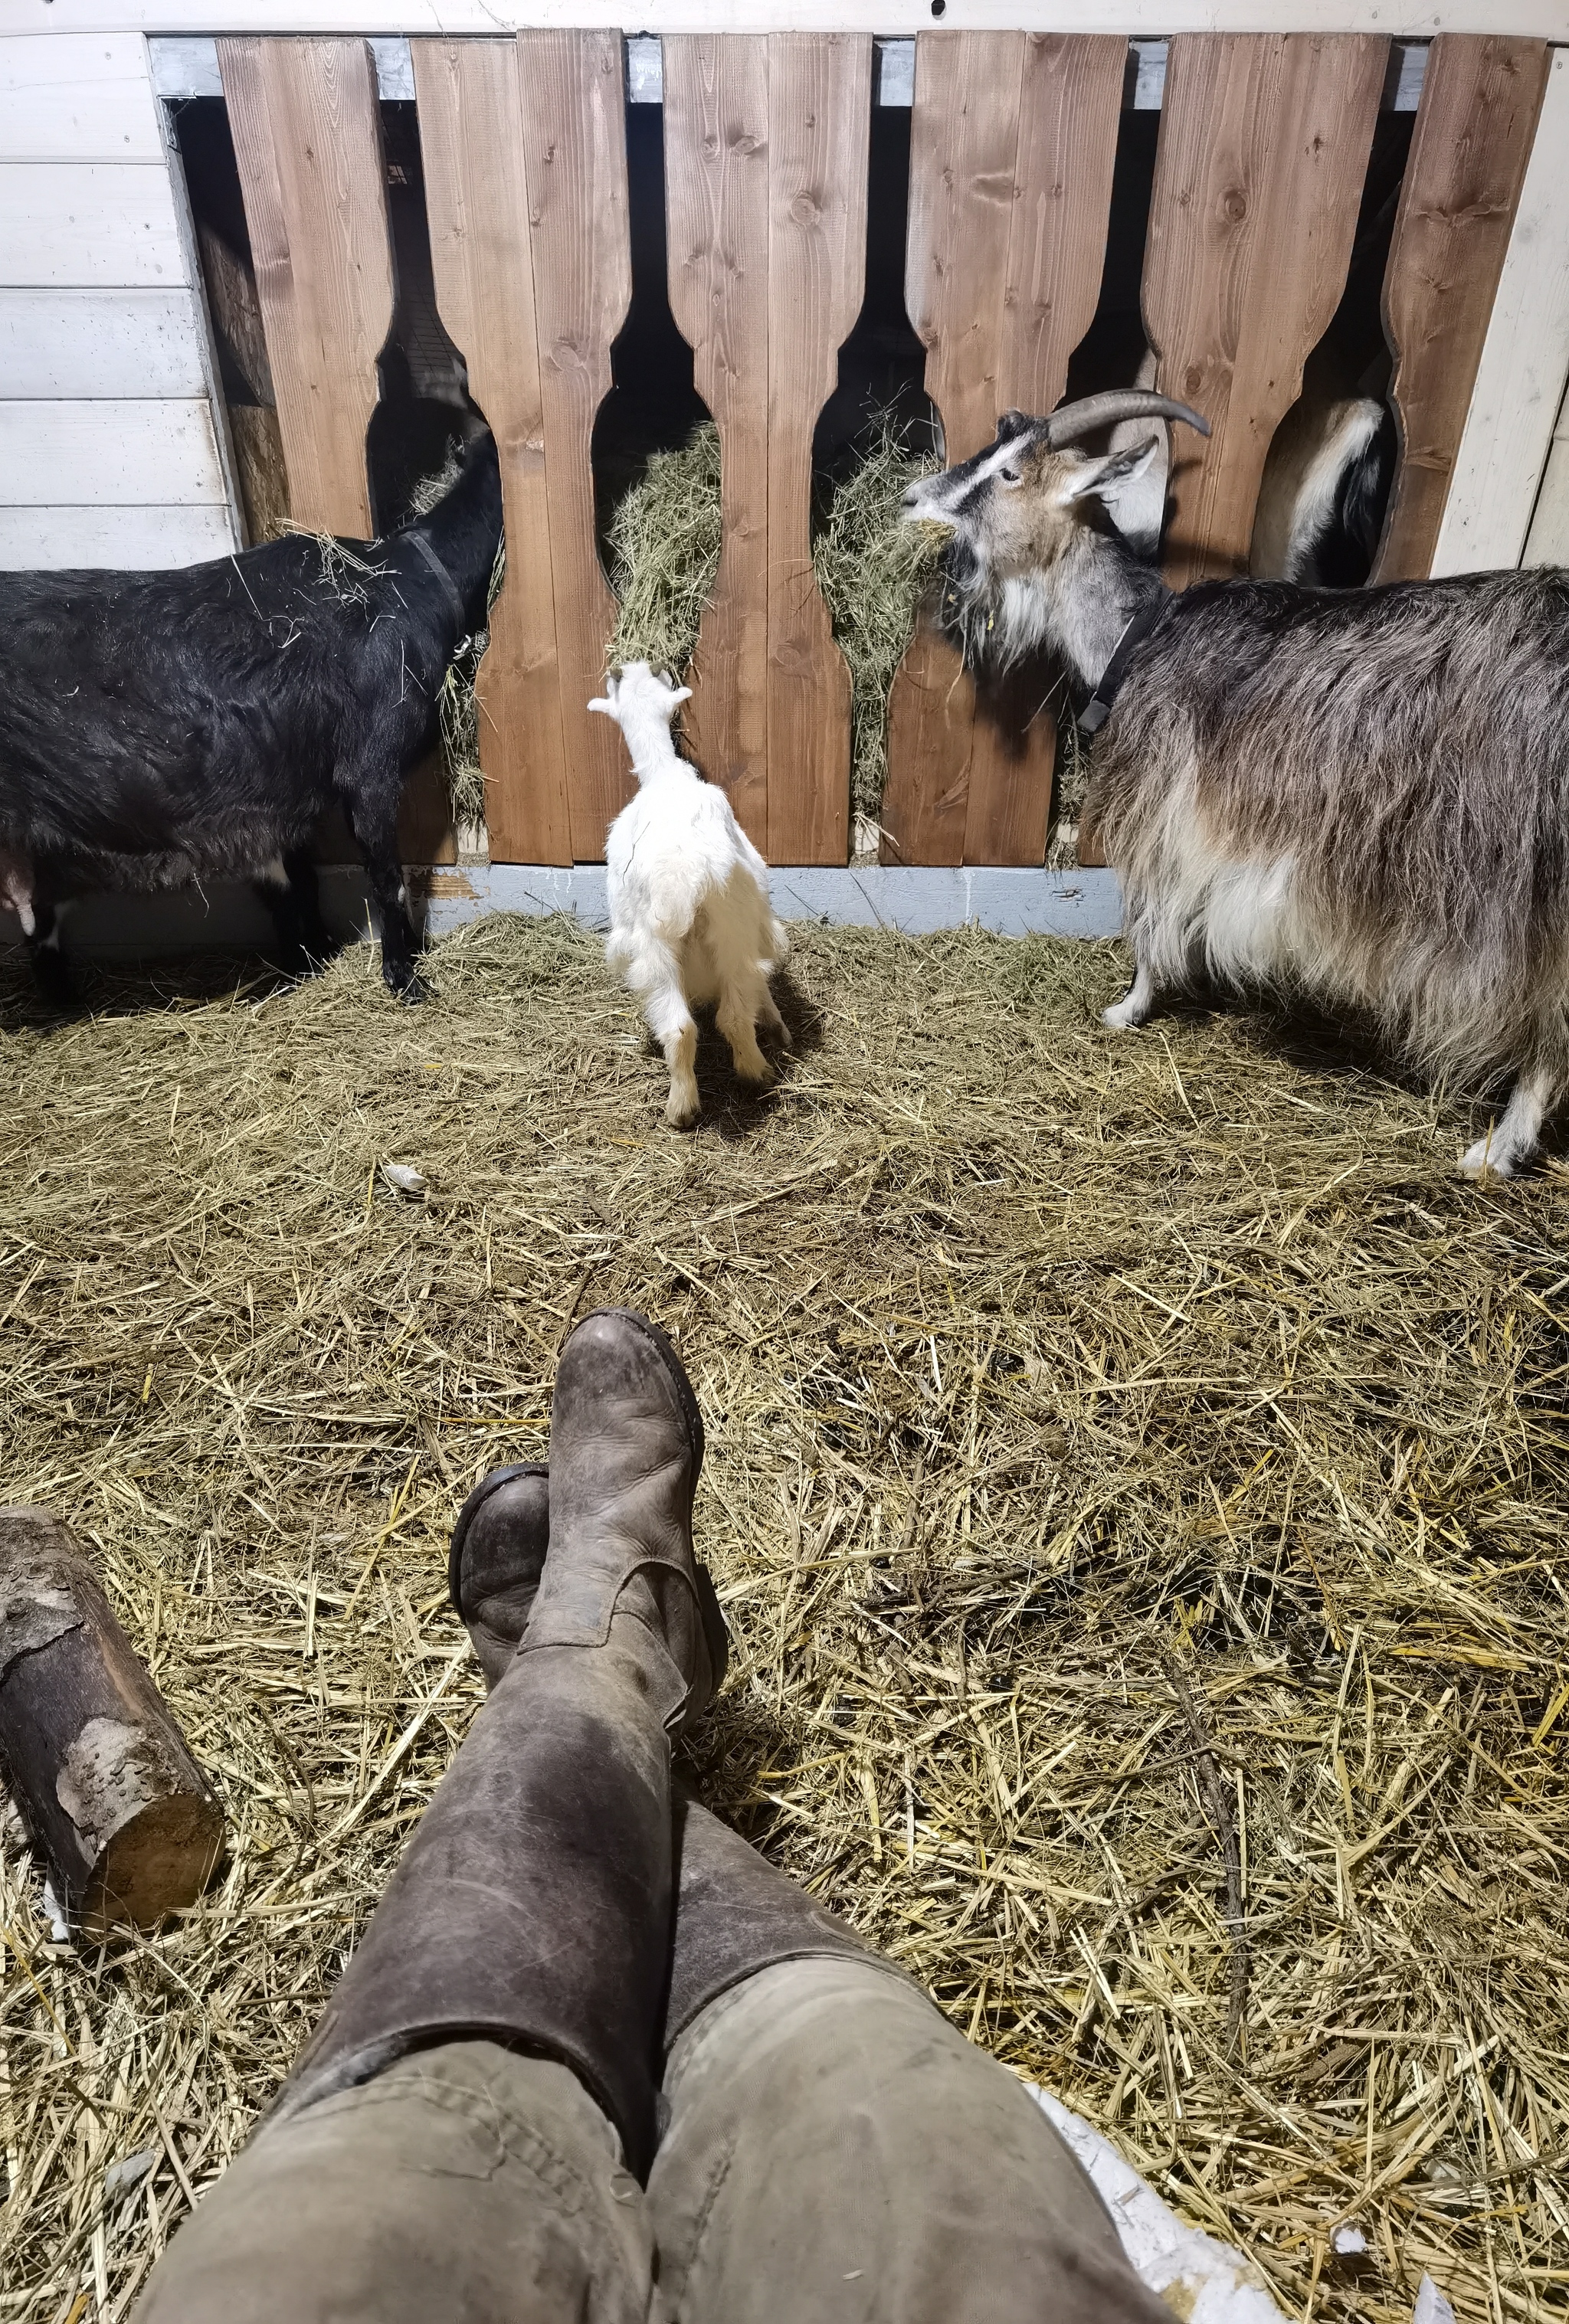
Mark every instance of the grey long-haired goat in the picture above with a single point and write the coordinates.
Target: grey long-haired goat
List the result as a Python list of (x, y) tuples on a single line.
[(1362, 796)]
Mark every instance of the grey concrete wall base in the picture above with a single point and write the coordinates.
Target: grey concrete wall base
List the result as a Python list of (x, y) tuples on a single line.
[(916, 901)]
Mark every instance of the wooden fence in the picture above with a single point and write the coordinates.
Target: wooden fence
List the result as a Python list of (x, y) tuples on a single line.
[(1264, 145)]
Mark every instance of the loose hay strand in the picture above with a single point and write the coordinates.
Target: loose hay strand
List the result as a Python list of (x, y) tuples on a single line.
[(1035, 1364)]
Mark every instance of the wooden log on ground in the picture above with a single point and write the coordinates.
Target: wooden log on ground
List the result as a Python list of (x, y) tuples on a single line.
[(111, 1796)]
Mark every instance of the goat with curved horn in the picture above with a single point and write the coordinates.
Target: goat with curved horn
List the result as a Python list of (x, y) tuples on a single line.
[(1072, 422)]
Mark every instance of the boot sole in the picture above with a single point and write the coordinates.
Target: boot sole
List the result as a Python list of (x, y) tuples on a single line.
[(466, 1515), (715, 1630)]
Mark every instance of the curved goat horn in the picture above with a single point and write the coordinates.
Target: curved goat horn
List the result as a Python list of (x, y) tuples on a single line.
[(1075, 421)]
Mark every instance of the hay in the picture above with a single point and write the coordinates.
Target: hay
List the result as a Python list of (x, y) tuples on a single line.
[(1110, 1440), (458, 704), (665, 539), (873, 570)]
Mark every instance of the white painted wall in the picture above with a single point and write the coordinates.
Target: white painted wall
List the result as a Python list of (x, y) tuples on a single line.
[(1525, 359), (109, 452)]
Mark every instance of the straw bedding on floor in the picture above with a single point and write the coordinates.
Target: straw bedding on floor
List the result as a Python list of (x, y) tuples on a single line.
[(1137, 1483)]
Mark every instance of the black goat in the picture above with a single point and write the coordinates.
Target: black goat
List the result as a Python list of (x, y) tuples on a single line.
[(158, 728)]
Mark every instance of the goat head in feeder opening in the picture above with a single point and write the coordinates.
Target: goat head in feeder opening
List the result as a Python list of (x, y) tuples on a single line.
[(1022, 516), (1359, 796)]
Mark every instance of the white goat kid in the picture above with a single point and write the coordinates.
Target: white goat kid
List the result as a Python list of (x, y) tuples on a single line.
[(689, 915)]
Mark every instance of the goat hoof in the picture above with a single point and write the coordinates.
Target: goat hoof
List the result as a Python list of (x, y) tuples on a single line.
[(411, 992), (1123, 1018), (1478, 1162), (682, 1113)]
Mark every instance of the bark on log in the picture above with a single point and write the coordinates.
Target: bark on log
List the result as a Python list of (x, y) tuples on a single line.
[(100, 1772)]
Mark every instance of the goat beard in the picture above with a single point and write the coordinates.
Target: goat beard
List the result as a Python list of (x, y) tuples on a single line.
[(996, 625)]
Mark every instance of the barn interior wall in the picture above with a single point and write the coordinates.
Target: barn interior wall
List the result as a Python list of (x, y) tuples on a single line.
[(111, 450)]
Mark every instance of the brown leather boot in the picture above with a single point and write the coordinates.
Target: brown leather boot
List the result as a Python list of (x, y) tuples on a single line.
[(496, 1559), (735, 1912), (533, 1903)]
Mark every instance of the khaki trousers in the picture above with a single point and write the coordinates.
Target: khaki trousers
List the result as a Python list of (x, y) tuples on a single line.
[(834, 2150)]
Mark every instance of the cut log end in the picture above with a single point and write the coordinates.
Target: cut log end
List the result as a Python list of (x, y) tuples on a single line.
[(156, 1864)]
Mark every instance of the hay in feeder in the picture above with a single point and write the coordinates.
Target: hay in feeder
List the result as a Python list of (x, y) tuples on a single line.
[(665, 539), (1135, 1482), (456, 704), (873, 570)]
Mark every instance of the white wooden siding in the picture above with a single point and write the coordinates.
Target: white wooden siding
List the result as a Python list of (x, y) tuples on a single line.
[(148, 454), (1409, 19), (80, 222), (142, 540), (78, 97), (93, 343), (109, 450), (1520, 385)]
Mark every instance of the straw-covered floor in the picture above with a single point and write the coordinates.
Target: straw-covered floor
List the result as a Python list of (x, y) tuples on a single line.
[(1137, 1482)]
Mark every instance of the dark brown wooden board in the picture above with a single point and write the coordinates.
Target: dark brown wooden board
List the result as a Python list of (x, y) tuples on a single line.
[(1263, 152), (1012, 146), (476, 199), (1475, 126)]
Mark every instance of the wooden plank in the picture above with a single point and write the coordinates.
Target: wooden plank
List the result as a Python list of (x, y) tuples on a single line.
[(765, 146), (1481, 100), (138, 540), (100, 343), (143, 453), (308, 141), (1548, 542), (717, 198), (477, 200), (575, 161), (1414, 19), (1264, 145), (78, 97), (820, 103), (1013, 143), (88, 224), (1519, 380)]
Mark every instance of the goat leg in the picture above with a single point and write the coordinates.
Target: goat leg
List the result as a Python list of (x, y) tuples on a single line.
[(54, 980), (374, 822), (1515, 1138), (1135, 1007), (293, 901)]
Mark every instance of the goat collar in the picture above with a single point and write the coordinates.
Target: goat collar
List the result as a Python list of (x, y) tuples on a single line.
[(454, 602), (1109, 685)]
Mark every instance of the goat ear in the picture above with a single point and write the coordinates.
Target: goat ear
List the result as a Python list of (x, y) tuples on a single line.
[(680, 694), (601, 703), (1110, 477)]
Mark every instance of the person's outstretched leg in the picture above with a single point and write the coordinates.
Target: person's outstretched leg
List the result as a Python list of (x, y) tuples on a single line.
[(834, 2147), (838, 2151), (531, 1914)]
